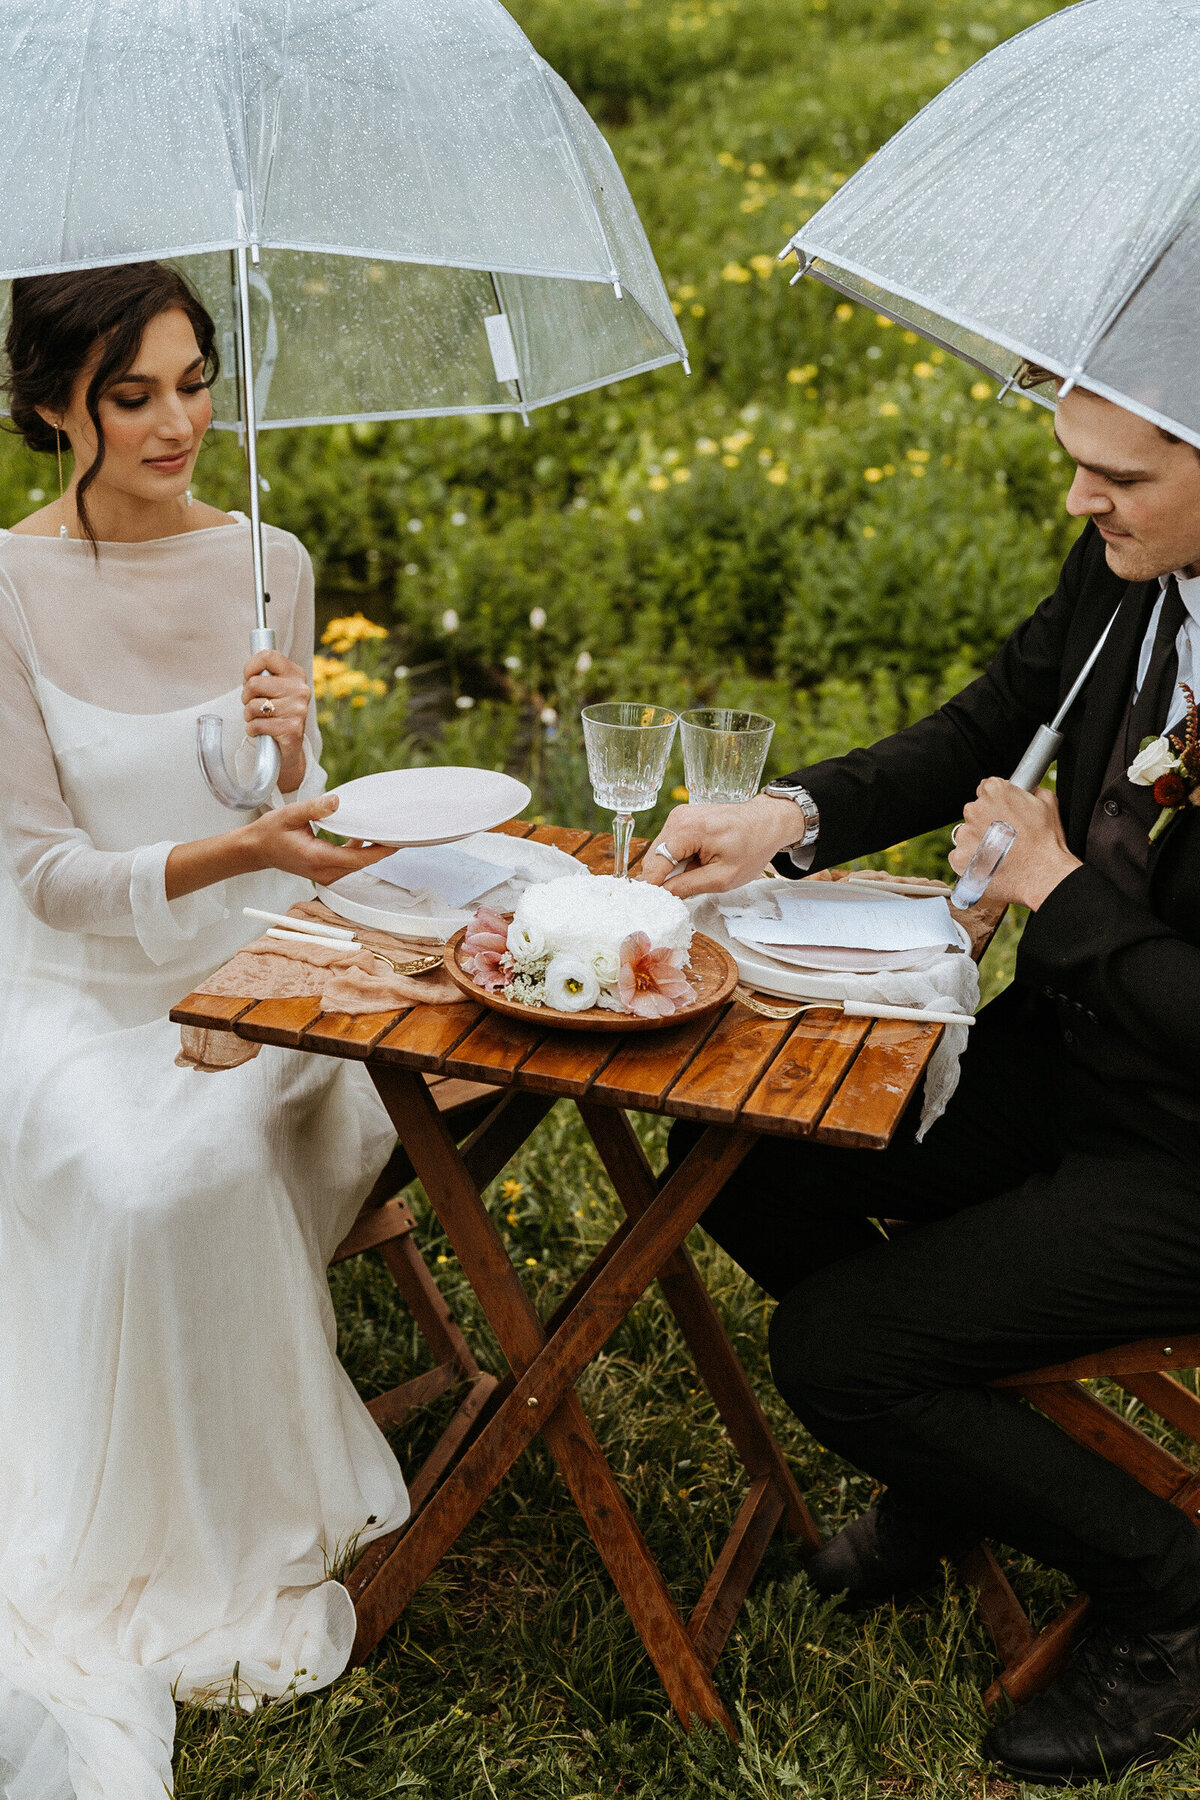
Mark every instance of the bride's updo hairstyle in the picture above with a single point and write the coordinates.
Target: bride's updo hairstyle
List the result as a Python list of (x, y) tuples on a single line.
[(55, 324)]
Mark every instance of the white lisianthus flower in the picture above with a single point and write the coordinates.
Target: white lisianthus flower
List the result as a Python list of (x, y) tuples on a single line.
[(607, 965), (571, 983), (1156, 759), (526, 943)]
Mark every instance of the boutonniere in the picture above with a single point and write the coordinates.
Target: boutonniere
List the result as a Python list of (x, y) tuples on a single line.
[(1170, 767)]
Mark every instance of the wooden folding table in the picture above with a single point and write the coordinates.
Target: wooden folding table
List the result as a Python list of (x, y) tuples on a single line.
[(838, 1080)]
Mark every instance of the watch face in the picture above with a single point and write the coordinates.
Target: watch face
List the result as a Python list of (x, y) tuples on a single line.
[(787, 787)]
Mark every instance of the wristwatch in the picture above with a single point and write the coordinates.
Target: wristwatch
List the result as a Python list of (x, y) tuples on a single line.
[(787, 789)]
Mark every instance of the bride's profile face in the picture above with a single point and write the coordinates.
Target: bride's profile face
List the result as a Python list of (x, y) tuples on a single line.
[(153, 419)]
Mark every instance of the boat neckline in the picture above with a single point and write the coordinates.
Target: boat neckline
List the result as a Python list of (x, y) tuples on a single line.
[(45, 537)]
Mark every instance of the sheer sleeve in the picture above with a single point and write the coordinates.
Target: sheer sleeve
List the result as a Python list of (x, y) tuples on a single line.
[(62, 877)]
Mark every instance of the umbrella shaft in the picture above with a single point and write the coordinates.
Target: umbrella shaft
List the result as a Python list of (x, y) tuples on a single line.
[(251, 423)]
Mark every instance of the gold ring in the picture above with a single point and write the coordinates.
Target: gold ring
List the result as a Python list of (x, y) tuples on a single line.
[(267, 709)]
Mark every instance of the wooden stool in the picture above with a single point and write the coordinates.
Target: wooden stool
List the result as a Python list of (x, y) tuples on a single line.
[(386, 1224), (1146, 1372)]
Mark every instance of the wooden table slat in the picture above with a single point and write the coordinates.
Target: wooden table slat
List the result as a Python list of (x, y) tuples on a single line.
[(280, 1021), (598, 855), (645, 1067), (515, 828), (351, 1034), (422, 1039), (567, 1062), (803, 1076), (883, 1079), (211, 1012), (495, 1050), (727, 1067), (571, 838)]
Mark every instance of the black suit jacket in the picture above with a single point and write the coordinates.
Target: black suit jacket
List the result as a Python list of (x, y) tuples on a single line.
[(1123, 978)]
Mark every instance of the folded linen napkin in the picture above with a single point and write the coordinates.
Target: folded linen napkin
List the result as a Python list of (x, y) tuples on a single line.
[(946, 981), (346, 976)]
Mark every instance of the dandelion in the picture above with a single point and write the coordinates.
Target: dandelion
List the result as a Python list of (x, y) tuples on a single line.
[(737, 441), (798, 377), (657, 483), (730, 461), (889, 410), (677, 307), (635, 515), (358, 700), (464, 703), (512, 664), (458, 518), (733, 271), (917, 456), (681, 475), (872, 474), (910, 337), (844, 312), (707, 446), (917, 469), (757, 169), (443, 1259), (889, 468), (1024, 404), (697, 311), (511, 1190), (687, 292), (511, 1217), (922, 370), (868, 531), (728, 160), (531, 1262), (778, 474), (883, 322), (679, 793), (583, 662), (942, 46), (763, 266), (537, 618), (416, 525), (766, 456), (449, 621)]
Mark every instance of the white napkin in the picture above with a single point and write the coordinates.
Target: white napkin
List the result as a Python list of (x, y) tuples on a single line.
[(944, 982), (442, 872)]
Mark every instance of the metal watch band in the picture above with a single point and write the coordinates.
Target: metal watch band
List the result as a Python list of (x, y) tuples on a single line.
[(782, 790)]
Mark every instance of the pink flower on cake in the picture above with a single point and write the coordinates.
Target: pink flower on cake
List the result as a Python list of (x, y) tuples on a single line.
[(651, 982), (484, 955)]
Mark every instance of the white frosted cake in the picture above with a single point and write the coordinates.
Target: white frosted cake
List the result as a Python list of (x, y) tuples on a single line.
[(619, 945)]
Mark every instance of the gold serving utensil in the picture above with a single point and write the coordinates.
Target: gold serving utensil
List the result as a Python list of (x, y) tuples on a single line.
[(419, 965)]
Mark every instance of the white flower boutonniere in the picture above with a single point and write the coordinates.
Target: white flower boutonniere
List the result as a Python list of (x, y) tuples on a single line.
[(1171, 768)]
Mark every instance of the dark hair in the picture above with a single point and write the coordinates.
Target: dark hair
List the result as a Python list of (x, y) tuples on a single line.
[(56, 322), (1032, 375)]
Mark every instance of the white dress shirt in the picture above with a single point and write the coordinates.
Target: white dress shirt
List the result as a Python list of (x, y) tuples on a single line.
[(1187, 644)]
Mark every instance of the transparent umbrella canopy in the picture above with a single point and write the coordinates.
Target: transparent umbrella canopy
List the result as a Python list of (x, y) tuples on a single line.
[(1045, 207), (393, 208)]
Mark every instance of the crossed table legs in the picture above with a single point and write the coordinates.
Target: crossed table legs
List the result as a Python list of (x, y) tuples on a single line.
[(546, 1361)]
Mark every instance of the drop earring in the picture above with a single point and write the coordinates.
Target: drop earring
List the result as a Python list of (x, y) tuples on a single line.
[(58, 453)]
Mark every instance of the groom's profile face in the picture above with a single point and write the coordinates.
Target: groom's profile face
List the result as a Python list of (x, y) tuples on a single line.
[(1142, 489)]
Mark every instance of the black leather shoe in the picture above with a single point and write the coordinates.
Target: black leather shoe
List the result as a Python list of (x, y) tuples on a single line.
[(889, 1552), (1124, 1699)]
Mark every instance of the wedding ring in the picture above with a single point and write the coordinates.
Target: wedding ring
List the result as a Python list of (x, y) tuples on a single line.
[(267, 709), (661, 850)]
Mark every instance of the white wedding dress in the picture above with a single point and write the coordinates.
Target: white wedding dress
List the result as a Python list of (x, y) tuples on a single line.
[(182, 1457)]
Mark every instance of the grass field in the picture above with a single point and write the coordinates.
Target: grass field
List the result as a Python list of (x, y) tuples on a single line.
[(831, 522)]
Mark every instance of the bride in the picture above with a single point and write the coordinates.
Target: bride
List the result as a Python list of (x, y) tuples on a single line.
[(182, 1457)]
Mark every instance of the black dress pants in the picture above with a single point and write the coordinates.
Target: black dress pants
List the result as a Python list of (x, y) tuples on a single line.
[(1043, 1230)]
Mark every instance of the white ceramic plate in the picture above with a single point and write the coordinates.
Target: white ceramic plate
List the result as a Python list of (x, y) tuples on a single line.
[(425, 806), (367, 900)]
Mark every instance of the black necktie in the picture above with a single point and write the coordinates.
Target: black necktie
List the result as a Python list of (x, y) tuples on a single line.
[(1150, 711)]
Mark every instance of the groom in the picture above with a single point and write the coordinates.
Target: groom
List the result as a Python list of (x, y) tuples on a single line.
[(1055, 1208)]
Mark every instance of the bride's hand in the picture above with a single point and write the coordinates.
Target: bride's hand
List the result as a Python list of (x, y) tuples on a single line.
[(269, 677), (282, 839)]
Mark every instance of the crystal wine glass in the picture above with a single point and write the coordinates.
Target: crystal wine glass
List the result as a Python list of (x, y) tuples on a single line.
[(724, 752), (628, 745)]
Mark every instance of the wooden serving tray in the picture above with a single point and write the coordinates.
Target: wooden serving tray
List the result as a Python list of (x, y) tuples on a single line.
[(713, 973)]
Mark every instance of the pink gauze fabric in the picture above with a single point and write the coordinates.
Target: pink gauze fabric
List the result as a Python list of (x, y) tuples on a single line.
[(346, 976)]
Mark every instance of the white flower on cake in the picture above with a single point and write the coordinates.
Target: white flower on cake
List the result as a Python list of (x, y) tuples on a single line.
[(571, 983), (573, 944)]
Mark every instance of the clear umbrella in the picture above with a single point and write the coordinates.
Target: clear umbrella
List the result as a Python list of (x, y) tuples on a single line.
[(1045, 207), (393, 208)]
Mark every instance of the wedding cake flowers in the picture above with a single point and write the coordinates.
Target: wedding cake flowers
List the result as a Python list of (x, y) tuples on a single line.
[(619, 945)]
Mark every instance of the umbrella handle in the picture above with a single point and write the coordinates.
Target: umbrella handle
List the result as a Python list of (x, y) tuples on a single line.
[(210, 749)]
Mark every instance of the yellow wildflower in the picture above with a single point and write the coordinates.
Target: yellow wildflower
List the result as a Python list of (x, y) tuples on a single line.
[(707, 446), (778, 474), (657, 483), (343, 634), (888, 410), (697, 311), (681, 475), (917, 456), (922, 370), (512, 1190), (679, 793), (843, 312), (764, 266), (733, 271), (686, 292), (872, 474), (730, 461), (868, 531), (798, 377), (884, 323), (981, 390)]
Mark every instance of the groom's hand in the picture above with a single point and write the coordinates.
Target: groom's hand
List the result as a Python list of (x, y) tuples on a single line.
[(717, 847), (1039, 858)]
